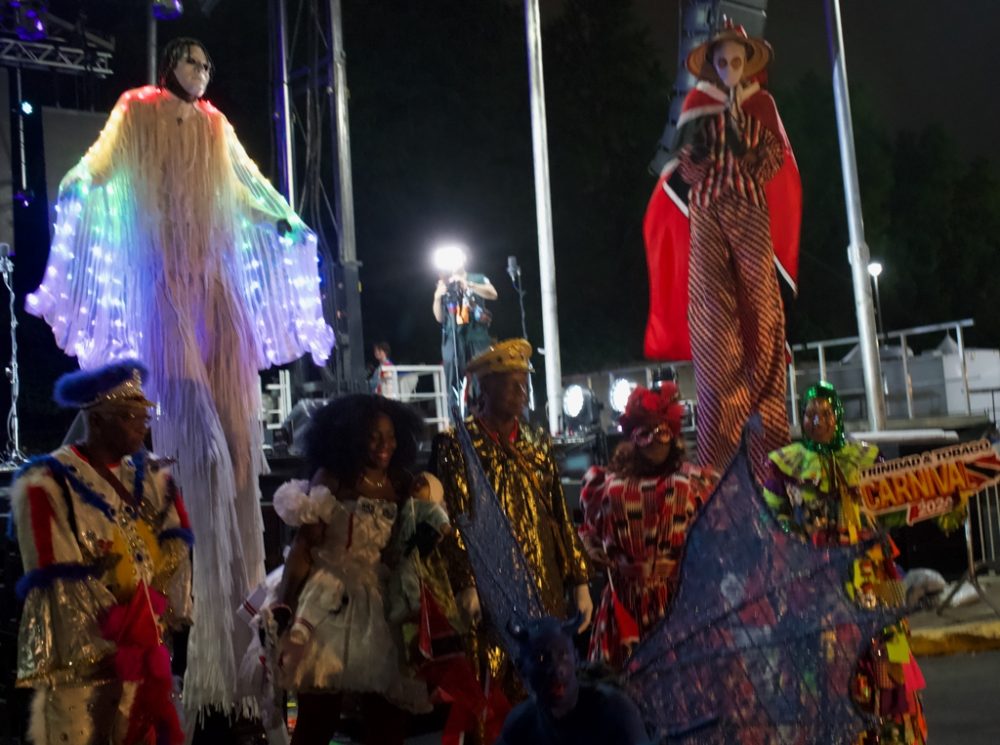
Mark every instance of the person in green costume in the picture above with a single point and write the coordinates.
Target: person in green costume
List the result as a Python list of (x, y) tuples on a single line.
[(813, 490)]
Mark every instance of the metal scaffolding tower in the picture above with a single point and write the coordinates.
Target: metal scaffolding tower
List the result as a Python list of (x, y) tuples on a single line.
[(68, 48), (314, 157)]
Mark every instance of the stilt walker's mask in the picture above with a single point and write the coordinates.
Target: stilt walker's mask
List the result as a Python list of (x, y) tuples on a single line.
[(185, 69)]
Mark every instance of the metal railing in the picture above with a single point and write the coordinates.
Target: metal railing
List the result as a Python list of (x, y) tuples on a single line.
[(402, 383), (984, 509), (277, 400), (399, 382), (903, 335)]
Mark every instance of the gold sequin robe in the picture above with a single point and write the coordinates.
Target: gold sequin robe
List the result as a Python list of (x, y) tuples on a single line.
[(526, 481), (84, 550)]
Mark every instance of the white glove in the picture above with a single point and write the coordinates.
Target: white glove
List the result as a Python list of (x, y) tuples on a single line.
[(468, 601), (584, 606)]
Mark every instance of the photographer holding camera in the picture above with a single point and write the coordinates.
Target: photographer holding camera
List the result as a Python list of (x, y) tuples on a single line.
[(459, 306)]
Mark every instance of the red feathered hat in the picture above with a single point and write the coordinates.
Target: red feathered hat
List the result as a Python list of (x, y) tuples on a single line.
[(646, 408)]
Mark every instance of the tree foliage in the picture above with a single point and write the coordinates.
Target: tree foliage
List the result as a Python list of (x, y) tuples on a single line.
[(930, 217)]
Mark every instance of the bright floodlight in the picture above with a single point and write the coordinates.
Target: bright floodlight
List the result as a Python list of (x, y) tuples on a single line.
[(573, 401), (620, 391), (875, 268), (448, 257)]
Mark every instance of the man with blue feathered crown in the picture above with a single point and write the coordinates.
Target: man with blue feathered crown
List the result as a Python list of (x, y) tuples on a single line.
[(172, 247), (105, 542)]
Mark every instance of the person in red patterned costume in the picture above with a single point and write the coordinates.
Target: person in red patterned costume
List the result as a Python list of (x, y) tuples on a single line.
[(635, 520), (725, 206)]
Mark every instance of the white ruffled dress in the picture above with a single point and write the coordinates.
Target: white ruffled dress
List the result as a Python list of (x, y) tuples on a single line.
[(347, 643)]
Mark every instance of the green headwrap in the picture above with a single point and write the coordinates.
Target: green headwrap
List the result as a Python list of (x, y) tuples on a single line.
[(827, 392)]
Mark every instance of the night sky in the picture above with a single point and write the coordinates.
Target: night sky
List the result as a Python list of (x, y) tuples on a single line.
[(914, 62)]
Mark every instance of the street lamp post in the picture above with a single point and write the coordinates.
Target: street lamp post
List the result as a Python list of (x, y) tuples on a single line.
[(857, 249), (875, 269)]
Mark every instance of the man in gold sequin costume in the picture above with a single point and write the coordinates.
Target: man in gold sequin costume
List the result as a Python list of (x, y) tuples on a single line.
[(105, 543), (517, 459)]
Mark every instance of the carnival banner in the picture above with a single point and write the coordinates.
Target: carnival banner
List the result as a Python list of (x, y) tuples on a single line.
[(929, 484)]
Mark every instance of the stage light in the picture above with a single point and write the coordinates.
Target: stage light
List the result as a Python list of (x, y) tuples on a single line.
[(875, 269), (573, 401), (167, 10), (449, 257), (29, 23), (621, 389), (26, 108), (582, 410)]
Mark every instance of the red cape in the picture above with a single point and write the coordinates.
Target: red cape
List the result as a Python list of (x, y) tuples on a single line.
[(666, 228)]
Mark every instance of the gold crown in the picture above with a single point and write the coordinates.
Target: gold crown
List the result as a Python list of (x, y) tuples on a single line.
[(127, 393), (512, 355)]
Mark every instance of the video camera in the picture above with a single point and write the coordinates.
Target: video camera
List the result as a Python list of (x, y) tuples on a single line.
[(454, 294)]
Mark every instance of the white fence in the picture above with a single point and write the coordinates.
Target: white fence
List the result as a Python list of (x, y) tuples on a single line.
[(421, 385), (402, 383), (984, 510)]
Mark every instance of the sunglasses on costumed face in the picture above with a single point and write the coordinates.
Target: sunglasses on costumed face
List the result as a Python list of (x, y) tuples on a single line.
[(643, 436)]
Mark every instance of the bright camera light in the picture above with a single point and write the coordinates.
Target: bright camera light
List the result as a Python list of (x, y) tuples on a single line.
[(573, 401), (448, 257), (875, 268), (621, 389)]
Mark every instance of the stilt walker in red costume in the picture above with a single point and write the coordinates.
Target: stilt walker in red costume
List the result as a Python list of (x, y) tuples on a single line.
[(726, 208)]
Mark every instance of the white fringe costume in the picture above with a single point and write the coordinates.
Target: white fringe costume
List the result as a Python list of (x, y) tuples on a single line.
[(165, 248)]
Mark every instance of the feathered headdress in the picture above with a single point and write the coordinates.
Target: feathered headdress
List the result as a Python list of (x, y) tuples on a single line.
[(650, 408)]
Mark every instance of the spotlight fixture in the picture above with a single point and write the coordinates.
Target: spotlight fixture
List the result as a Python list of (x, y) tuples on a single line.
[(167, 10), (573, 401), (582, 410), (621, 389), (26, 108), (29, 19)]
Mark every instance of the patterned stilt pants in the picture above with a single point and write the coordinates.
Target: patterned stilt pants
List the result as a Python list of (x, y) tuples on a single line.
[(737, 331)]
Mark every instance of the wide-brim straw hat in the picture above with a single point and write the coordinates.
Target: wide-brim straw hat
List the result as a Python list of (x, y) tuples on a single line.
[(759, 53)]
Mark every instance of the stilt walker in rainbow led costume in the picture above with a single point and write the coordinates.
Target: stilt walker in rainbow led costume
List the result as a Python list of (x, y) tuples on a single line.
[(726, 209), (171, 246)]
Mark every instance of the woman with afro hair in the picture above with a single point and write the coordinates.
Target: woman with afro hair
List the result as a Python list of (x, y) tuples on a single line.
[(330, 621), (635, 520)]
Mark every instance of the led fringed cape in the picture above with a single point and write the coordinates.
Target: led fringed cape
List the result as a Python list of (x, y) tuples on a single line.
[(166, 248)]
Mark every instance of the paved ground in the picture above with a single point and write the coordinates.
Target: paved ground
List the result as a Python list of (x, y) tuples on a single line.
[(970, 628), (963, 699), (963, 689)]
